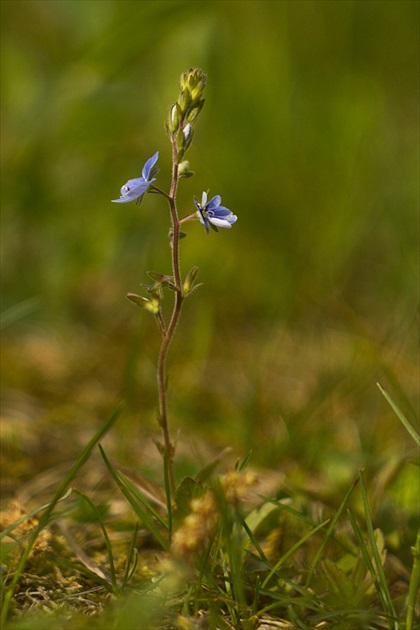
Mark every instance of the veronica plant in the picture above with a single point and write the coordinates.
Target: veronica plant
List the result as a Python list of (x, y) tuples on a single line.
[(183, 116)]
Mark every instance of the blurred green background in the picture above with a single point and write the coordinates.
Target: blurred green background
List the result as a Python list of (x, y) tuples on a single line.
[(309, 133)]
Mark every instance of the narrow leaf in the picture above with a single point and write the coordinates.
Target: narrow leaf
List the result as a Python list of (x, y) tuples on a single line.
[(145, 515), (151, 305), (31, 514), (292, 550), (105, 535), (411, 430), (329, 532)]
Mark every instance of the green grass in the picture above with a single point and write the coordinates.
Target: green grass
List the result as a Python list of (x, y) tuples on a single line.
[(236, 566), (233, 562)]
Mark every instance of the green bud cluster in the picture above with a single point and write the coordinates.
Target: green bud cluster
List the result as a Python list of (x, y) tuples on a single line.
[(184, 113)]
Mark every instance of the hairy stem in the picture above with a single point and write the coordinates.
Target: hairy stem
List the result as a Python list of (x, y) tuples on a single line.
[(167, 335)]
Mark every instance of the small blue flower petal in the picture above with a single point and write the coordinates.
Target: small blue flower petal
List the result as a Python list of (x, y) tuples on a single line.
[(223, 223), (213, 215), (221, 211), (130, 191), (135, 188), (147, 171), (214, 203)]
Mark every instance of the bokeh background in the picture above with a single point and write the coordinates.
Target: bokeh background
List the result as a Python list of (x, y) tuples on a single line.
[(310, 134)]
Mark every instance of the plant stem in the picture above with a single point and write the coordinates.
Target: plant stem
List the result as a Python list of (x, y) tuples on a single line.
[(168, 334)]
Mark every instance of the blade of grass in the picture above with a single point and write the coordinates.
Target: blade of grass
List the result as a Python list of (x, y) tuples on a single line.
[(227, 595), (293, 585), (254, 541), (138, 494), (411, 430), (343, 615), (389, 604), (186, 610), (328, 533), (206, 574), (234, 550), (242, 465), (290, 510), (132, 559), (263, 558), (29, 515), (105, 535), (282, 602), (371, 568), (302, 517), (295, 619), (83, 558), (414, 584), (397, 388), (256, 598), (292, 550), (365, 552), (83, 569), (145, 515), (83, 457)]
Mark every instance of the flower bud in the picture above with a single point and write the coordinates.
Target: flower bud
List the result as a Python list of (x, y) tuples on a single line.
[(192, 83), (184, 169), (174, 118), (184, 101), (197, 92), (194, 112), (192, 78), (187, 133), (186, 110)]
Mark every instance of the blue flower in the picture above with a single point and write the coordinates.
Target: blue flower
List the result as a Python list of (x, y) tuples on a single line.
[(212, 214), (135, 188)]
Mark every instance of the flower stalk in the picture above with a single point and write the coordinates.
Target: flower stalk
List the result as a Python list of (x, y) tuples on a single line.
[(182, 117), (167, 335)]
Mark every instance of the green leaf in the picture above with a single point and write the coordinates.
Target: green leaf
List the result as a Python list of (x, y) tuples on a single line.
[(338, 581), (292, 550), (414, 584), (411, 430), (260, 515), (151, 305), (146, 513), (374, 556), (98, 515), (329, 532), (189, 283), (243, 464), (160, 277)]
